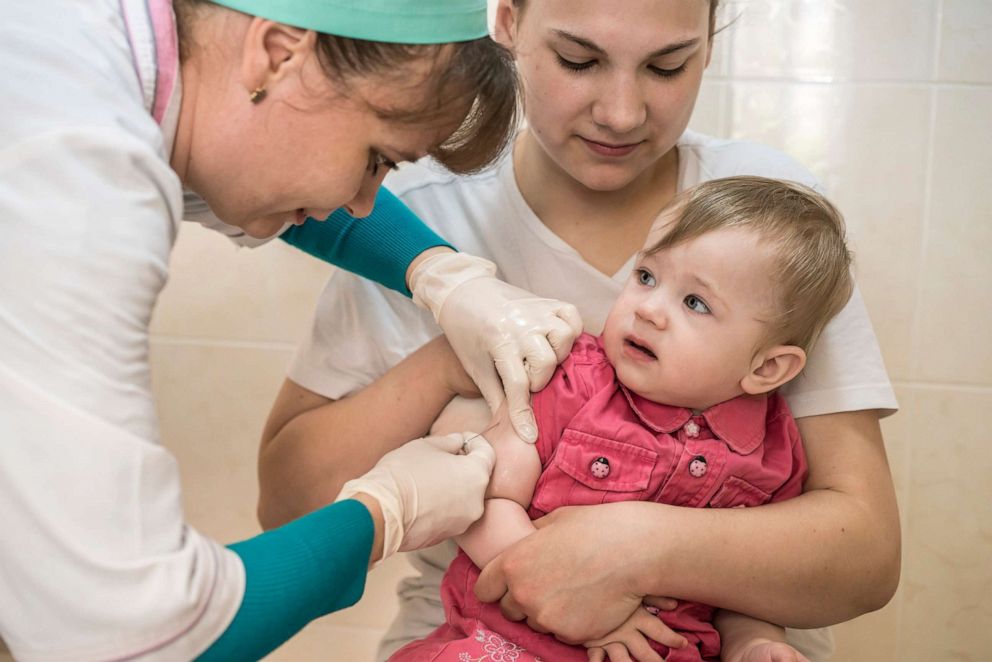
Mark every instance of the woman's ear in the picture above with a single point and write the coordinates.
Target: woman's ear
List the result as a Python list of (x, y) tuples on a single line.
[(271, 51), (505, 29), (772, 368)]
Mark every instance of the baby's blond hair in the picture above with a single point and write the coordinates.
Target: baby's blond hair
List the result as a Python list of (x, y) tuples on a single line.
[(813, 277)]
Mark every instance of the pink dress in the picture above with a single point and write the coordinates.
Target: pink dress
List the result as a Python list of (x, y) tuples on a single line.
[(600, 443)]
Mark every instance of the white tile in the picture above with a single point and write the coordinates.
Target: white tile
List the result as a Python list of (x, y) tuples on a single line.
[(947, 576), (867, 145), (965, 41), (833, 39), (217, 290), (956, 294)]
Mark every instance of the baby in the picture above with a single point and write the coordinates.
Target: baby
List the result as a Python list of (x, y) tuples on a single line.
[(674, 403)]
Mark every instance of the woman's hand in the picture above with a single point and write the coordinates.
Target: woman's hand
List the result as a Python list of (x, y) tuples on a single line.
[(418, 509), (573, 576), (508, 339)]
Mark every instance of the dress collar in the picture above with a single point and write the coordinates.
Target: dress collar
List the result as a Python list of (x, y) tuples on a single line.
[(739, 422)]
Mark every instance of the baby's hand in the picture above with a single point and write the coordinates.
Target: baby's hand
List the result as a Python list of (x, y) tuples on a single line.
[(630, 641), (762, 650)]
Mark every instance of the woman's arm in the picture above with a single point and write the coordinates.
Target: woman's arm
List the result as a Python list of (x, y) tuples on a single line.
[(821, 558), (311, 445), (383, 246), (317, 564)]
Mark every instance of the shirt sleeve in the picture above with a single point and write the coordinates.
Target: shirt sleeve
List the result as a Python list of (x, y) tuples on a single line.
[(570, 388), (380, 246), (295, 574), (845, 370)]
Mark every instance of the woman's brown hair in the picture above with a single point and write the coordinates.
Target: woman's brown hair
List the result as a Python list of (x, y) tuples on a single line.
[(713, 7), (472, 79)]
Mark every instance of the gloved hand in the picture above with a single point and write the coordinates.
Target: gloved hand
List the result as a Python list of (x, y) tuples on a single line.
[(508, 340), (428, 489)]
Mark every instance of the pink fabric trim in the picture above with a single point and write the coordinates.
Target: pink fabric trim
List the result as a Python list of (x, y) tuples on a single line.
[(166, 54)]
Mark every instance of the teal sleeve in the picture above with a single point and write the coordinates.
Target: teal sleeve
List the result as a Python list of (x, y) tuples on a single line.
[(379, 247), (294, 574)]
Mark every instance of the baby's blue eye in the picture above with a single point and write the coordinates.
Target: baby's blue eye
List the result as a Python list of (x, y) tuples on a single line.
[(696, 304), (645, 278)]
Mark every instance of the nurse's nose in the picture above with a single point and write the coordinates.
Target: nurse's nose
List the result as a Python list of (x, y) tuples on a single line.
[(620, 107), (362, 204)]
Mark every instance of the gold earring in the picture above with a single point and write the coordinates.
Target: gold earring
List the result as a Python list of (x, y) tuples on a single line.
[(256, 95)]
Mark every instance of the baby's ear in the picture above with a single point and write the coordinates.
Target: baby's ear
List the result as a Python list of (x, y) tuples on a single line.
[(773, 367)]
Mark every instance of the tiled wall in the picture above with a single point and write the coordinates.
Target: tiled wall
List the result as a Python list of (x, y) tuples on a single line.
[(889, 102)]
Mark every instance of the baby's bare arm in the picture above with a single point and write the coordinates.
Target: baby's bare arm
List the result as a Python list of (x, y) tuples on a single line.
[(747, 639), (505, 520)]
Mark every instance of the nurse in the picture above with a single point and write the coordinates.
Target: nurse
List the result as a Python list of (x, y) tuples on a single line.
[(120, 118)]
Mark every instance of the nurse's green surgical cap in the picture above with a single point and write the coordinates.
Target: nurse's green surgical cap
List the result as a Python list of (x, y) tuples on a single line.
[(394, 21)]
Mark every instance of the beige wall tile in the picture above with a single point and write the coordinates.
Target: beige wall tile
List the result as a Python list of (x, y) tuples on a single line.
[(378, 605), (854, 138), (956, 295), (872, 637), (965, 46), (217, 290), (947, 576), (323, 641), (212, 403), (897, 430), (836, 40)]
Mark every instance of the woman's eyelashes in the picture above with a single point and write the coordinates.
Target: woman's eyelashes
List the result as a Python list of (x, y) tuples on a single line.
[(574, 66), (585, 65), (377, 160), (667, 73)]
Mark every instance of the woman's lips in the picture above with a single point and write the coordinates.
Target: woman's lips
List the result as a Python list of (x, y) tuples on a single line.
[(607, 149)]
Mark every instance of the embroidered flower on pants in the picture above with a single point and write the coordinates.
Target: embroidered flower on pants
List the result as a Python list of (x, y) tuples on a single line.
[(497, 648)]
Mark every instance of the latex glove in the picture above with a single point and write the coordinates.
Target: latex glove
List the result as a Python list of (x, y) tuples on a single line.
[(508, 340), (429, 489)]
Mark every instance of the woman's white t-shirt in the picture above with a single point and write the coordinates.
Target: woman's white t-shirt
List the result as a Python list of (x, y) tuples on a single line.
[(361, 329)]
